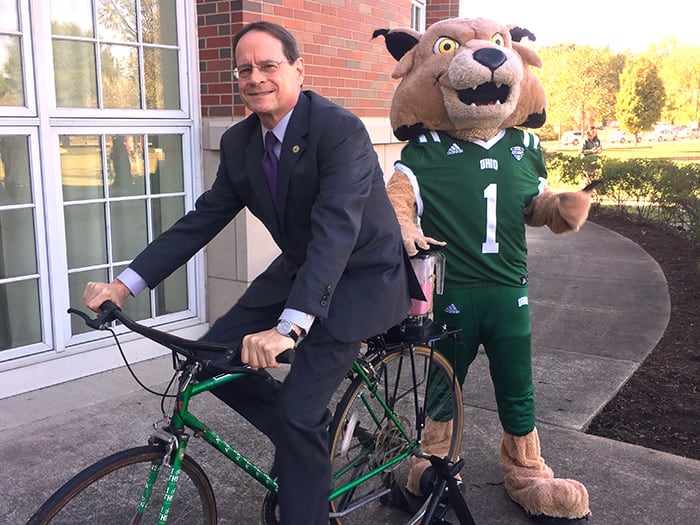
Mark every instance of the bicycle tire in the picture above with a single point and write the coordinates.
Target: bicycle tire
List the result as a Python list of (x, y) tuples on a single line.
[(360, 440), (109, 492)]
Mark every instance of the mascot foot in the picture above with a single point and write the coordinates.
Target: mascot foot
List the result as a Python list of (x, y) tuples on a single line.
[(436, 442), (532, 485), (402, 499)]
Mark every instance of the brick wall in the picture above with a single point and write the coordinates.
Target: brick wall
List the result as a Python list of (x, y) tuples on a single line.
[(343, 62), (437, 10)]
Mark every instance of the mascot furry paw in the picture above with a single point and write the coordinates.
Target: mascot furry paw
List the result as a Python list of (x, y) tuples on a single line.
[(469, 177)]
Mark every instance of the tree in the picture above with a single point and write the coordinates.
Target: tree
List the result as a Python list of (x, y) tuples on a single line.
[(679, 68), (580, 82), (641, 97)]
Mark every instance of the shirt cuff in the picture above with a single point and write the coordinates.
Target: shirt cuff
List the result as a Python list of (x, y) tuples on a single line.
[(301, 319), (133, 281)]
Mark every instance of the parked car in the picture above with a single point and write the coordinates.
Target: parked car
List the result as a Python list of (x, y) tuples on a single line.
[(622, 137), (571, 137), (689, 133), (662, 135)]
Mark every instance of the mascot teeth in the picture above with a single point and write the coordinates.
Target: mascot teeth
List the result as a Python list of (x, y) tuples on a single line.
[(487, 94)]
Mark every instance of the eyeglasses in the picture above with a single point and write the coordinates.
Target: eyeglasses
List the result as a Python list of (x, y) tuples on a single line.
[(267, 68)]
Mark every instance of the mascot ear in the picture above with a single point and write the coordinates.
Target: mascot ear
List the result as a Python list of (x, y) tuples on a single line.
[(535, 120), (398, 41), (518, 33)]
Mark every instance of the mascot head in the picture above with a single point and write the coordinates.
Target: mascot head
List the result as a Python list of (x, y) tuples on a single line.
[(468, 77)]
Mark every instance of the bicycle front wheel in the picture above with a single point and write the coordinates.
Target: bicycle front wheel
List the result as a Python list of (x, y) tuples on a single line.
[(110, 491), (367, 445)]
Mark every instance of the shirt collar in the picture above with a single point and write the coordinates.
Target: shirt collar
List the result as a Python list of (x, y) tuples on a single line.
[(280, 129)]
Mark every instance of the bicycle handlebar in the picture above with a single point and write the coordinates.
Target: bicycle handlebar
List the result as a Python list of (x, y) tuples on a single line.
[(221, 355)]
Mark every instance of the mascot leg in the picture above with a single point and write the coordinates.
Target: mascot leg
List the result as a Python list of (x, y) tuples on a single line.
[(436, 442), (531, 483)]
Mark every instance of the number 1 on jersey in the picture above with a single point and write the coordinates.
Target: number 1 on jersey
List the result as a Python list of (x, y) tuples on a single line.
[(491, 195)]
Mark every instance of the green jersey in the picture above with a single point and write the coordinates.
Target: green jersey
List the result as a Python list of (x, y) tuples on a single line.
[(472, 195)]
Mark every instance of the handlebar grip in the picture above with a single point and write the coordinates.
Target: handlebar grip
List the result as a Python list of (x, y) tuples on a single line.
[(286, 357)]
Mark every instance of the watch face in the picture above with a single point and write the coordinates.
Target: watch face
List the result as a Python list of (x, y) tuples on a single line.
[(284, 327)]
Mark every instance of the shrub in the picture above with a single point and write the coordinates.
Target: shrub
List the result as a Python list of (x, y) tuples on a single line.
[(648, 188)]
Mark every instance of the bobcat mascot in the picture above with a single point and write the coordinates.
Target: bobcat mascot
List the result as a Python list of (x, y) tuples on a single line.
[(469, 178)]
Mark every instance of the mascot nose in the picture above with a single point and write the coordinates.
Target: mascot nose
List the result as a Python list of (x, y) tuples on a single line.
[(490, 57)]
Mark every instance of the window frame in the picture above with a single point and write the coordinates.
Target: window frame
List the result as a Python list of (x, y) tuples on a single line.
[(44, 123), (418, 8)]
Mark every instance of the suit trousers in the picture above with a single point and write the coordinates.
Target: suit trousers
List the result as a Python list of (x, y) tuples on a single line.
[(293, 414)]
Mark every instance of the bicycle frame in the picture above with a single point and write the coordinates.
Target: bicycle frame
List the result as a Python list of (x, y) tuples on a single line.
[(183, 419)]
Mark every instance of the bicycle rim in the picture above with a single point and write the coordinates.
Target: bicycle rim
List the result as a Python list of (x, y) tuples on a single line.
[(364, 438), (109, 492)]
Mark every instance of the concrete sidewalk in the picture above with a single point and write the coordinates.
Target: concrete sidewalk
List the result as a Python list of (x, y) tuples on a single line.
[(599, 305)]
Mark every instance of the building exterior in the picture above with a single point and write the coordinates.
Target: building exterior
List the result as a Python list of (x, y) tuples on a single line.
[(110, 119)]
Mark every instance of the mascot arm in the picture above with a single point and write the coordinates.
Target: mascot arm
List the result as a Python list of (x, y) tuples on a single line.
[(561, 212), (403, 200)]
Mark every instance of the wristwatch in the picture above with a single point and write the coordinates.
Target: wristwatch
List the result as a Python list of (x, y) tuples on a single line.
[(285, 327)]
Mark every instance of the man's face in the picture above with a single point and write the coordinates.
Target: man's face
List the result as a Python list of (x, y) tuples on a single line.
[(272, 94)]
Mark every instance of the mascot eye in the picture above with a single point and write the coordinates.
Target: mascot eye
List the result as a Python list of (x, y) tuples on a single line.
[(445, 45), (498, 39)]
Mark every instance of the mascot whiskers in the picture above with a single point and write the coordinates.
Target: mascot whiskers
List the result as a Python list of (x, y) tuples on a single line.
[(471, 178)]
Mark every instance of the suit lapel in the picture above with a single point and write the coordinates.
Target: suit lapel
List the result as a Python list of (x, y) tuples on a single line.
[(293, 147)]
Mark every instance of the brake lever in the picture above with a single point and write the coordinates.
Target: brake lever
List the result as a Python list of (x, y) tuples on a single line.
[(107, 315)]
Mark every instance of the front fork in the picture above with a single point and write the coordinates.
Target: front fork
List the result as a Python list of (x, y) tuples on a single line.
[(174, 444), (172, 457)]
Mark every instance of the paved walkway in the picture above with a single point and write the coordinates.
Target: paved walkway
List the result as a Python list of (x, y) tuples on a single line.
[(599, 306)]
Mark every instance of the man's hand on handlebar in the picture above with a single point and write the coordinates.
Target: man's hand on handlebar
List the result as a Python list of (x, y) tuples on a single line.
[(260, 350), (96, 294)]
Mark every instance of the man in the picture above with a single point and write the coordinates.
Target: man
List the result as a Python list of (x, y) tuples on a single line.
[(342, 275), (591, 146)]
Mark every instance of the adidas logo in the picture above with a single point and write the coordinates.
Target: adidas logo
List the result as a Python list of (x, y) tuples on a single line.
[(452, 309), (454, 150)]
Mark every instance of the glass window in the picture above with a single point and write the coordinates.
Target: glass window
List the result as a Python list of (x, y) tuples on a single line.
[(159, 22), (20, 323), (134, 54), (109, 200), (75, 74), (120, 76), (116, 20), (11, 78), (71, 17), (11, 81), (9, 20)]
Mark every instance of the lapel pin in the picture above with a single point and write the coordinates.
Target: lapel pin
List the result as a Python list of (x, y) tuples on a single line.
[(296, 148)]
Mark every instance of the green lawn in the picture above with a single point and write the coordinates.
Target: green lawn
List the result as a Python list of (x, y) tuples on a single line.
[(680, 150)]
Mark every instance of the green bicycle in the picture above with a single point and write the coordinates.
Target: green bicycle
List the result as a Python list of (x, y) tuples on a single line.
[(394, 385)]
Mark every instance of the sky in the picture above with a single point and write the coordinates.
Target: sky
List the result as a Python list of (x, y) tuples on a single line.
[(620, 24)]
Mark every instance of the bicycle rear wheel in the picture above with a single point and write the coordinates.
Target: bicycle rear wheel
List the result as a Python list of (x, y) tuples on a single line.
[(110, 492), (363, 437)]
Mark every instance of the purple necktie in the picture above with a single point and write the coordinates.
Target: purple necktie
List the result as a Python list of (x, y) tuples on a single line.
[(270, 164)]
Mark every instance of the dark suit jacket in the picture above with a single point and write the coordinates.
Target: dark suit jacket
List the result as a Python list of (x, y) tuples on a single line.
[(342, 256)]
